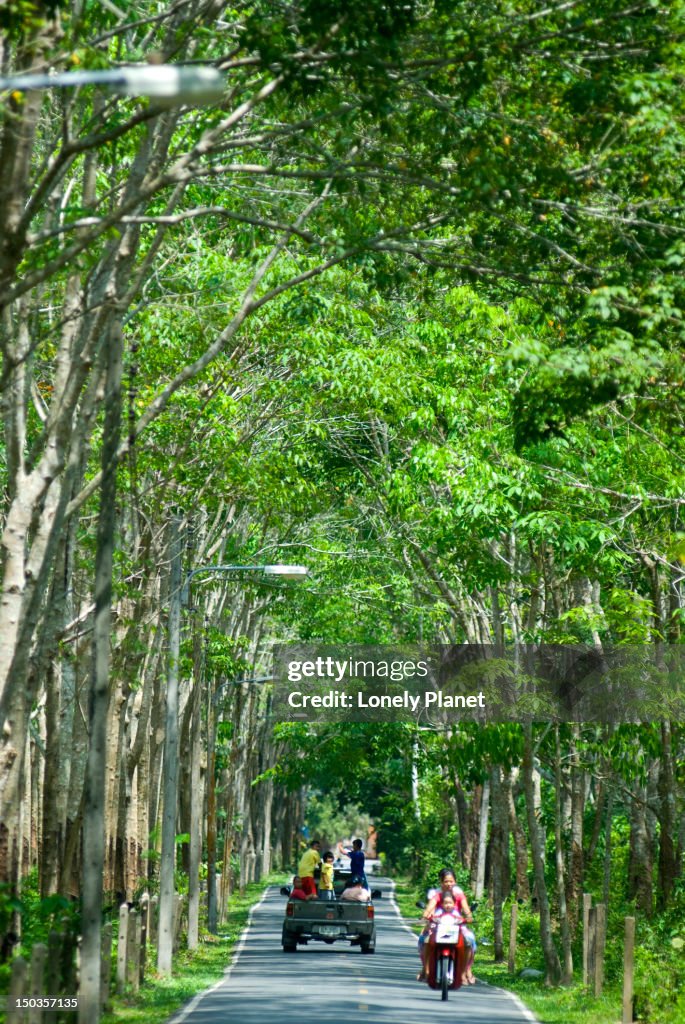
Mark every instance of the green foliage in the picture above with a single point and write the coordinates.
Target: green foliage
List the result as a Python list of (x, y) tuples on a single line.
[(223, 657), (41, 915), (331, 823)]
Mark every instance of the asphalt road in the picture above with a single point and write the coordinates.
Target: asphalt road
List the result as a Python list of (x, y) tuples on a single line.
[(322, 984)]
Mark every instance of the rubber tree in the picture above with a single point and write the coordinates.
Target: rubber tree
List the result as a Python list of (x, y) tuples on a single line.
[(168, 857), (94, 812), (552, 965)]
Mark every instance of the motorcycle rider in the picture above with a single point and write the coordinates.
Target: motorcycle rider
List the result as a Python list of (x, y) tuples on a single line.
[(448, 884)]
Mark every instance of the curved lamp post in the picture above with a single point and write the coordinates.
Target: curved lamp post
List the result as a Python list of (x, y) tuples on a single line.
[(179, 599)]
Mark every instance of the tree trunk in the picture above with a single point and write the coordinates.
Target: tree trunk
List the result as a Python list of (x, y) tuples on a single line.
[(520, 849), (94, 812), (170, 770), (482, 840), (195, 791), (52, 847), (668, 865), (640, 862), (212, 910), (497, 858), (463, 824), (567, 971), (607, 849), (576, 866), (553, 967)]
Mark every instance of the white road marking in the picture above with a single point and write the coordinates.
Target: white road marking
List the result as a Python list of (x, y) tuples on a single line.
[(185, 1012)]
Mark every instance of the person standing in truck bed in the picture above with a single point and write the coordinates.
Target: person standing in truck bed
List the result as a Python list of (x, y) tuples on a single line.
[(326, 890), (309, 862), (356, 855)]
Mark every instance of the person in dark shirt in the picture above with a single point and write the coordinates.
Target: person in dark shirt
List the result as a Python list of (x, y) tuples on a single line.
[(356, 855)]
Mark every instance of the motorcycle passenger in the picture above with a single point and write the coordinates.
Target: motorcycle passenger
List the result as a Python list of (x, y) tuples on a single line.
[(448, 883), (447, 908)]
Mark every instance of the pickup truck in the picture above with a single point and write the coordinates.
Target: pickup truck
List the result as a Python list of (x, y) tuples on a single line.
[(329, 921)]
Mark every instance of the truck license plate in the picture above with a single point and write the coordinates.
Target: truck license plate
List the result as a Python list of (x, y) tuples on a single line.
[(329, 930)]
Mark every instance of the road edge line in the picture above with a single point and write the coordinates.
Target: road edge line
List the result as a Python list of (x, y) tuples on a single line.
[(525, 1010), (394, 904), (185, 1011)]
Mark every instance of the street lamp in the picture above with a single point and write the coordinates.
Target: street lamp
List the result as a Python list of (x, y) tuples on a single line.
[(179, 592), (285, 572), (170, 85)]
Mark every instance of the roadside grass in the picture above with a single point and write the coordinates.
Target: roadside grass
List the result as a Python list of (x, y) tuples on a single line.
[(158, 998), (573, 1005)]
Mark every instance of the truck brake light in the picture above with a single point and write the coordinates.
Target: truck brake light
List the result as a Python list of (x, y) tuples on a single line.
[(289, 910), (369, 913)]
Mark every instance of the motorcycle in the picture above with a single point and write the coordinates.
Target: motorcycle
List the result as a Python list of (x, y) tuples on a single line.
[(447, 951), (446, 955)]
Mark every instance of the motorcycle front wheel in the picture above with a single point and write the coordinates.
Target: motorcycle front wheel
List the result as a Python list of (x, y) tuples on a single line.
[(444, 978)]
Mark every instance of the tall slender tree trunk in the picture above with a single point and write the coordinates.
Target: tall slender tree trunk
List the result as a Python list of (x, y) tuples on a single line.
[(212, 909), (567, 971), (463, 823), (553, 967), (482, 840), (668, 862), (51, 851), (520, 850), (170, 769), (499, 832), (268, 799), (94, 811), (640, 884), (607, 849), (576, 865), (195, 791)]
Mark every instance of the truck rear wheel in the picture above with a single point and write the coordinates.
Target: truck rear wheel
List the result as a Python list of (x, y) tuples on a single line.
[(289, 948), (366, 947)]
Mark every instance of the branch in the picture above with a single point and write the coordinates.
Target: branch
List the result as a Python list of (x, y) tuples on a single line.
[(569, 481), (178, 218)]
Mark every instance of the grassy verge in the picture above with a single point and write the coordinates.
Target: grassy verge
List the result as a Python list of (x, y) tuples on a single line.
[(551, 1006), (158, 998)]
